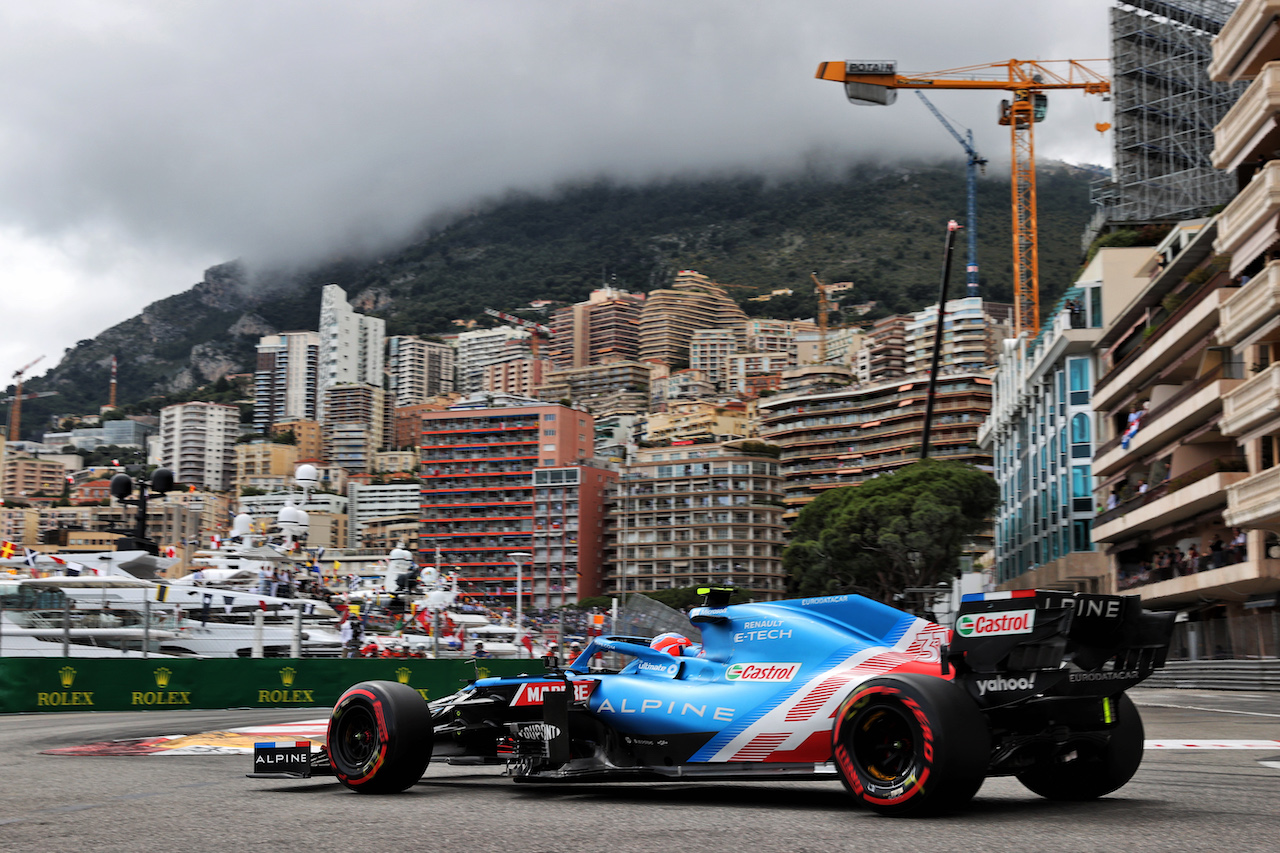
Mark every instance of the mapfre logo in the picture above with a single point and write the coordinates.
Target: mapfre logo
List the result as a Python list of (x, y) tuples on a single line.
[(761, 671), (996, 624), (532, 692)]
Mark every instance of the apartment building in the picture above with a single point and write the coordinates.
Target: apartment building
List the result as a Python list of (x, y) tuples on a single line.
[(884, 355), (710, 349), (520, 376), (26, 476), (351, 346), (671, 316), (972, 332), (835, 438), (618, 387), (1164, 463), (513, 478), (197, 443), (355, 425), (606, 327), (1042, 434), (285, 380), (690, 420), (393, 505), (480, 348), (1247, 51), (265, 465), (698, 514), (418, 369)]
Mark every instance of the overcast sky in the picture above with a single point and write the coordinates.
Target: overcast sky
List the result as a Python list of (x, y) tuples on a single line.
[(141, 142)]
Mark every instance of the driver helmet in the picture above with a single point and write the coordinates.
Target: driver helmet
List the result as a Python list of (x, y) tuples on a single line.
[(671, 643)]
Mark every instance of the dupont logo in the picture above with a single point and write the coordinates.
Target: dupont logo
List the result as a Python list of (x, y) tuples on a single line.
[(1000, 684), (761, 671), (996, 624)]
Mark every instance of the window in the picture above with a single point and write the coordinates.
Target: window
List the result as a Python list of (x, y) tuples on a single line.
[(548, 432), (1079, 430), (1095, 307), (550, 417), (1080, 486), (1078, 375)]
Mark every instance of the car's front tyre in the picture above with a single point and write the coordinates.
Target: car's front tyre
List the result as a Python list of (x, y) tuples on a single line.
[(910, 745), (380, 737)]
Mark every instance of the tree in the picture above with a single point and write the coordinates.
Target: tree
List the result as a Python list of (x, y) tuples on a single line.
[(900, 530)]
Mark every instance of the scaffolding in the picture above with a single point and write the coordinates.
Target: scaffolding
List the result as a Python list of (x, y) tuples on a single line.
[(1165, 110)]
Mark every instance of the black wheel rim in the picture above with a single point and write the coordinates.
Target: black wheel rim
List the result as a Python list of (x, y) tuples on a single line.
[(356, 738), (884, 744)]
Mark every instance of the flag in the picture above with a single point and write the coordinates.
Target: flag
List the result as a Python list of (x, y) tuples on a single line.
[(528, 643), (422, 620), (31, 557), (7, 549), (227, 601), (206, 603)]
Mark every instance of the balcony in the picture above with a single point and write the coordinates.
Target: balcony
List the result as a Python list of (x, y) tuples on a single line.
[(1253, 404), (1250, 214), (1249, 128), (1234, 582), (1254, 501), (1189, 407), (1197, 491), (1197, 317), (1256, 301), (1250, 37)]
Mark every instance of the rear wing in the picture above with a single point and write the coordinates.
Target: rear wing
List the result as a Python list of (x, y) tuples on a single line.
[(1007, 646)]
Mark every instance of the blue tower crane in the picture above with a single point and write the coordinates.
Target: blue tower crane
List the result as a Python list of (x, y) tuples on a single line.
[(976, 162)]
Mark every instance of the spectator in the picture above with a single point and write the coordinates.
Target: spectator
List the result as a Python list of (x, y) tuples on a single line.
[(1142, 486), (1239, 546), (479, 650), (346, 633), (1215, 552), (1193, 558)]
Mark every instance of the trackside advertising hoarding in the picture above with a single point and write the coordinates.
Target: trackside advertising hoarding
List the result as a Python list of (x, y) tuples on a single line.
[(86, 684)]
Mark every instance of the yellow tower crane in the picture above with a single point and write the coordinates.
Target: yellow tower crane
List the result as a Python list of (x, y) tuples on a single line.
[(824, 306), (15, 412), (875, 82)]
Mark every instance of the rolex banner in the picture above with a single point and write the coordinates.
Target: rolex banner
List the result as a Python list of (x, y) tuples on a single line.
[(86, 684)]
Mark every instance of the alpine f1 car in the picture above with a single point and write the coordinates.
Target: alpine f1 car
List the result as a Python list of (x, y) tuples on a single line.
[(911, 716)]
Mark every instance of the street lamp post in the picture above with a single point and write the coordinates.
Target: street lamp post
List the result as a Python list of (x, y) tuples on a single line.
[(519, 557)]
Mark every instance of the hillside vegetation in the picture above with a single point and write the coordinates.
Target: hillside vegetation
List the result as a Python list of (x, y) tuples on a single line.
[(880, 227)]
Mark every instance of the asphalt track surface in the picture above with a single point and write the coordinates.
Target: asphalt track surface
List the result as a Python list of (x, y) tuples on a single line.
[(1212, 799)]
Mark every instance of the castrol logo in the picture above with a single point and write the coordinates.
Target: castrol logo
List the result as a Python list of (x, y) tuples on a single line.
[(996, 624)]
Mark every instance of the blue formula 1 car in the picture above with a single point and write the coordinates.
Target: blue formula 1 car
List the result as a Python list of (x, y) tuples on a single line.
[(910, 716)]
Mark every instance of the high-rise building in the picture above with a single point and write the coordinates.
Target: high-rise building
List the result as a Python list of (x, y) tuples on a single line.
[(671, 316), (351, 345), (885, 351), (513, 479), (197, 443), (620, 387), (1042, 433), (841, 437), (606, 327), (480, 348), (418, 369), (710, 349), (1165, 108), (355, 425), (522, 376), (972, 333), (284, 382), (698, 514), (1167, 458)]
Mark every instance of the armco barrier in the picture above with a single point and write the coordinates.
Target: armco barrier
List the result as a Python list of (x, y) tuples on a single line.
[(89, 684)]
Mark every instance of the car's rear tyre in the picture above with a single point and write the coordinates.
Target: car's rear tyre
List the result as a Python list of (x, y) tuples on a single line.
[(380, 737), (1093, 770), (911, 745)]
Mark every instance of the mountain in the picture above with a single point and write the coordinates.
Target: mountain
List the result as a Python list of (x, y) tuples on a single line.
[(881, 227)]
